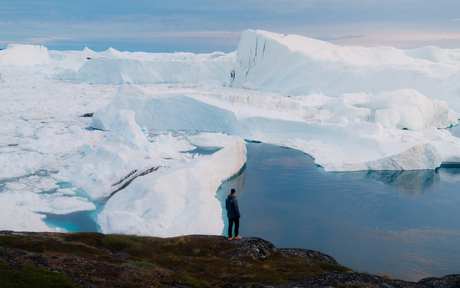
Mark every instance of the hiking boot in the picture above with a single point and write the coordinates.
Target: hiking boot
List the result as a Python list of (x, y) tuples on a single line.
[(230, 238), (238, 237)]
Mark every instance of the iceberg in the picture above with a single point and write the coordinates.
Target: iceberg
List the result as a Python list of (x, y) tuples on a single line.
[(171, 112), (294, 64), (118, 68), (24, 55), (350, 108)]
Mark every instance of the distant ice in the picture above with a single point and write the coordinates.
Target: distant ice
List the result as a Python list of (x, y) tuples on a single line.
[(24, 55), (117, 68)]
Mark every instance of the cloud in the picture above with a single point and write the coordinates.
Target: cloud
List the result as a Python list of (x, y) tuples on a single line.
[(182, 23), (331, 38), (46, 40)]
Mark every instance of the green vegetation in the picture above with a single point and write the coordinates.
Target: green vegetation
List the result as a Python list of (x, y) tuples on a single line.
[(127, 260), (386, 277), (32, 277), (335, 268)]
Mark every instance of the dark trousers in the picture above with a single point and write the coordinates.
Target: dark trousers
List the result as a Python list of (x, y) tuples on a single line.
[(230, 226)]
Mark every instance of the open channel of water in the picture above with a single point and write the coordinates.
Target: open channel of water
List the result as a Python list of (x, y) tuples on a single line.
[(402, 223)]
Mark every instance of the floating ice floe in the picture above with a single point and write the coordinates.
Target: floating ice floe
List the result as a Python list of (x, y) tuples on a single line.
[(24, 199)]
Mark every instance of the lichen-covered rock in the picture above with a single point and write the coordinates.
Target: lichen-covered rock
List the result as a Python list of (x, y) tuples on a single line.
[(441, 282), (367, 280), (309, 255), (349, 280), (255, 247)]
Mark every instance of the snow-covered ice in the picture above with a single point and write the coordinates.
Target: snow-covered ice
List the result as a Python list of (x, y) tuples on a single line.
[(348, 133), (177, 202), (124, 150), (44, 133), (350, 108)]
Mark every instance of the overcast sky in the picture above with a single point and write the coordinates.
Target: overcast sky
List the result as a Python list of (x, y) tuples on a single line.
[(214, 25)]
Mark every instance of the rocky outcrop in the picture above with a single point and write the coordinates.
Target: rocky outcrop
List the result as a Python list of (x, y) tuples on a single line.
[(441, 282), (73, 264), (254, 247), (309, 255), (367, 280)]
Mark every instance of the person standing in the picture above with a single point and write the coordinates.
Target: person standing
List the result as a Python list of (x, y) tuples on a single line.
[(233, 214)]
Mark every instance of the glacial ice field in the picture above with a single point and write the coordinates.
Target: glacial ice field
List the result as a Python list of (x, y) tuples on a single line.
[(137, 164)]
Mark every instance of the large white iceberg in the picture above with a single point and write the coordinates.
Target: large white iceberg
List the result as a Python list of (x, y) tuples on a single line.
[(164, 68), (298, 65), (24, 55)]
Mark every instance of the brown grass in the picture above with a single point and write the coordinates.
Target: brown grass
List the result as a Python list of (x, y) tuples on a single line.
[(196, 261)]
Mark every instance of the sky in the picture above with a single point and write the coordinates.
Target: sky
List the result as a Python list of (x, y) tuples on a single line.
[(203, 26)]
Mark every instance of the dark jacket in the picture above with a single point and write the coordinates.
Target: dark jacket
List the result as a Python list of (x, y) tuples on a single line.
[(231, 204)]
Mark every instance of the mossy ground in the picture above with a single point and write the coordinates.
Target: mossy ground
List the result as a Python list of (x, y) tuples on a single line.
[(134, 261)]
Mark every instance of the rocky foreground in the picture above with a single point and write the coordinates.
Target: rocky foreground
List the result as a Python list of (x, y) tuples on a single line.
[(29, 259)]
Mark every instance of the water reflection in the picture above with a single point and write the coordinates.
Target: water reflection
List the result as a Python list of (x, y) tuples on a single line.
[(410, 182), (451, 175)]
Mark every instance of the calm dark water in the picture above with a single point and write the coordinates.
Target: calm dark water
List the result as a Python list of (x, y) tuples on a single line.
[(403, 223)]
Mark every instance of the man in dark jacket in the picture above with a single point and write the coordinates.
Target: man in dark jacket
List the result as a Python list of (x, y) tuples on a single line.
[(233, 214)]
